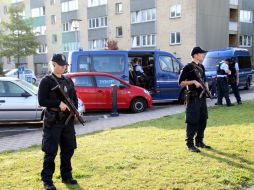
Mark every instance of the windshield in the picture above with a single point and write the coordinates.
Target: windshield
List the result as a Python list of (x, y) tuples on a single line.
[(30, 86), (212, 62)]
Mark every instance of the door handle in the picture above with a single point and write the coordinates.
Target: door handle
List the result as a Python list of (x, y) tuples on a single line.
[(2, 101), (124, 76), (100, 91)]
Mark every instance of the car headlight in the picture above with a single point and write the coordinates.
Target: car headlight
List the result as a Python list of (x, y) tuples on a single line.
[(146, 91)]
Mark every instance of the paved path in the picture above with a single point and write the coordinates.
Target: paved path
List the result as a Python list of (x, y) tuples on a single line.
[(25, 140)]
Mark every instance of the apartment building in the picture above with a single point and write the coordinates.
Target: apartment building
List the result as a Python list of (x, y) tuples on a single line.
[(173, 25)]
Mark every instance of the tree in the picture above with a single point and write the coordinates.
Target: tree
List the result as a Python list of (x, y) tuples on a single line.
[(16, 38), (112, 45)]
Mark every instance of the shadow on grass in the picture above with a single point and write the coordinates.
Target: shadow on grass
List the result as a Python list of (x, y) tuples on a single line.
[(228, 161), (74, 187), (232, 156)]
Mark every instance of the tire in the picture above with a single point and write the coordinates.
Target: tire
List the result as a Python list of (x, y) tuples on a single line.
[(138, 105), (247, 85)]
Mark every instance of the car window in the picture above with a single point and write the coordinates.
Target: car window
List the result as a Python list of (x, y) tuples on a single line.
[(108, 63), (244, 62), (176, 65), (166, 63), (83, 63), (86, 81), (2, 89), (12, 90), (28, 72), (104, 81)]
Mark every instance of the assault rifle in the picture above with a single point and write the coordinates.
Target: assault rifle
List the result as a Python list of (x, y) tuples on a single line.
[(68, 102), (201, 81)]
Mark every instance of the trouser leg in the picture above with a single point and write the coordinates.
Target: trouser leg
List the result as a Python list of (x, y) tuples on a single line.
[(226, 91), (236, 91), (48, 167), (219, 91), (65, 166)]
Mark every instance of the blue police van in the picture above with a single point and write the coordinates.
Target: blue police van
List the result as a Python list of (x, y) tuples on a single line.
[(241, 56), (162, 67)]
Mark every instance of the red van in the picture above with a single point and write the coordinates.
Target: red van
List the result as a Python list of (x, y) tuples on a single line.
[(95, 90)]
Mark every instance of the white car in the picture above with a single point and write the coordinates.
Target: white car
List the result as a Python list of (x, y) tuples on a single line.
[(28, 73), (19, 102)]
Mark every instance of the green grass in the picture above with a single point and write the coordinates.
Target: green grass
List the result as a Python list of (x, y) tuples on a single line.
[(150, 155)]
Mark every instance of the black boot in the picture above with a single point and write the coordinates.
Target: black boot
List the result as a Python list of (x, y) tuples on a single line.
[(193, 149), (201, 144), (70, 181), (49, 186)]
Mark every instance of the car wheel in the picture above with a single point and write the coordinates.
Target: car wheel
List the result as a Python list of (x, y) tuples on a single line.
[(138, 105), (247, 85)]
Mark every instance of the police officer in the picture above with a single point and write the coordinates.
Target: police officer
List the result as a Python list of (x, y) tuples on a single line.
[(233, 79), (196, 108), (222, 82), (55, 129)]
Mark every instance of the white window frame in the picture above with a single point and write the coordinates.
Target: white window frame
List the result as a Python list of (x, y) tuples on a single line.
[(94, 3), (175, 11), (175, 42), (99, 22), (53, 19), (246, 16), (36, 12), (118, 29), (43, 49), (97, 44), (141, 16), (40, 30), (69, 6), (245, 41), (147, 40), (119, 8)]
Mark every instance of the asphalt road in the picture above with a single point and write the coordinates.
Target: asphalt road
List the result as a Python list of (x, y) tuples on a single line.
[(18, 128)]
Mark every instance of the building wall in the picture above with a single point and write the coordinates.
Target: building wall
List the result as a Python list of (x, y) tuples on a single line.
[(119, 20), (185, 25), (212, 24)]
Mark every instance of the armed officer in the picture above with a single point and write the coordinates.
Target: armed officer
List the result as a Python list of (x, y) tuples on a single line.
[(196, 108), (55, 129), (222, 82)]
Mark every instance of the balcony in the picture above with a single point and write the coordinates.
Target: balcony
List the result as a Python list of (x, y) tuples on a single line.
[(233, 4), (233, 27)]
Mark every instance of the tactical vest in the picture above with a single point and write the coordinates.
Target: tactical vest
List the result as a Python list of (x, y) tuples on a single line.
[(232, 69), (220, 71)]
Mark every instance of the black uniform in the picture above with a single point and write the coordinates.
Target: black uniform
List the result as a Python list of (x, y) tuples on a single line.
[(222, 86), (232, 80), (55, 132), (196, 108)]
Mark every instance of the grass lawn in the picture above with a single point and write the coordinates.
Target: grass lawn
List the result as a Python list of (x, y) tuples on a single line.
[(150, 155)]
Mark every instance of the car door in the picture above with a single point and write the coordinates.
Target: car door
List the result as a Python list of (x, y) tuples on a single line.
[(86, 90), (167, 73), (16, 103), (104, 95)]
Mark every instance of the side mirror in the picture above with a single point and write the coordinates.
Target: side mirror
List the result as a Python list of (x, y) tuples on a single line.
[(25, 94)]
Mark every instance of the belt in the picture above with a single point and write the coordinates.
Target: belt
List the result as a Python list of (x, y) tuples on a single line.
[(54, 109), (221, 76)]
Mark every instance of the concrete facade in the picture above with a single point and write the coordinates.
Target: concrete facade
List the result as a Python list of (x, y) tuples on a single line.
[(200, 23)]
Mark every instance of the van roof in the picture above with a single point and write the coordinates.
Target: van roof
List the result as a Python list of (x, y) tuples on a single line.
[(228, 52)]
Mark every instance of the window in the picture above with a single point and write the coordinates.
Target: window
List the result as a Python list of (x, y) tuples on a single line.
[(166, 63), (42, 49), (245, 16), (54, 38), (40, 30), (16, 1), (119, 31), (104, 81), (245, 41), (119, 8), (108, 63), (175, 11), (36, 12), (69, 6), (83, 64), (52, 2), (143, 16), (97, 44), (97, 22), (175, 38), (244, 62), (144, 40), (92, 3), (53, 19), (70, 46), (85, 81), (9, 89)]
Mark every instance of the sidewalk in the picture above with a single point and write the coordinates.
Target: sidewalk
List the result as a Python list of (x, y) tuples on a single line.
[(19, 141)]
